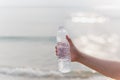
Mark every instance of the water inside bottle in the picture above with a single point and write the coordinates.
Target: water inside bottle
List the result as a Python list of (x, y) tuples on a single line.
[(64, 58), (64, 65)]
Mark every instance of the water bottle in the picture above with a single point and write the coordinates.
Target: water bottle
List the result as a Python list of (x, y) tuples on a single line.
[(63, 51)]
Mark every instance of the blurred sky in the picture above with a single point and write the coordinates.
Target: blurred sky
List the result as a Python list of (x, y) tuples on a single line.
[(41, 17)]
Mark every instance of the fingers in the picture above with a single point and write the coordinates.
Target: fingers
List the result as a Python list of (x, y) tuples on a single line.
[(55, 47), (56, 50), (69, 40)]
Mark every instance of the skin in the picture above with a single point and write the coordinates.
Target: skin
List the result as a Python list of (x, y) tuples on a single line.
[(105, 67)]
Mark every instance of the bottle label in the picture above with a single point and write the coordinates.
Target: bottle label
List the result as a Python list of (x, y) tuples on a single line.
[(63, 50)]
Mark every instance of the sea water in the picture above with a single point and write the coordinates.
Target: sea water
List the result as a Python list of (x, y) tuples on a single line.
[(33, 58)]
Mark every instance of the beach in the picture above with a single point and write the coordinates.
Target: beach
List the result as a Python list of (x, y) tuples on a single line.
[(28, 31), (35, 59)]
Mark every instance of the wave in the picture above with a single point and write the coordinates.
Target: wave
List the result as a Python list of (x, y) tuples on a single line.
[(36, 73), (28, 72)]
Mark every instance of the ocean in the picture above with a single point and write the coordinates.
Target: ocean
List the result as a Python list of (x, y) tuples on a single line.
[(33, 58)]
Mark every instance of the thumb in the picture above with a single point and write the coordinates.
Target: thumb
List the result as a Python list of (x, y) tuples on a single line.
[(69, 40)]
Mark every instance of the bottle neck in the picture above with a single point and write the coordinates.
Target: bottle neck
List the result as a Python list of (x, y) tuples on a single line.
[(61, 27)]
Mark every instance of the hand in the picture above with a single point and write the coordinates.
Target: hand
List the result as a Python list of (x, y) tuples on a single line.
[(73, 50)]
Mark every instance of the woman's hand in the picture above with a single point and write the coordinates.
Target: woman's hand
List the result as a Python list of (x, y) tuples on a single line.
[(108, 68), (73, 50)]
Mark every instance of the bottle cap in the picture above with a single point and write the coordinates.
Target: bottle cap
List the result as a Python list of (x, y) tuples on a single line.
[(61, 27)]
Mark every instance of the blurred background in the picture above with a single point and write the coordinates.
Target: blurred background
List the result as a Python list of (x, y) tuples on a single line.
[(28, 35)]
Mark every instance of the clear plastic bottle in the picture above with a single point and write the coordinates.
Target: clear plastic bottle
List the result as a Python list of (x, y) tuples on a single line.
[(63, 48)]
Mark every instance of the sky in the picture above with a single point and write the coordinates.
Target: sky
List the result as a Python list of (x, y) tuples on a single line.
[(42, 17)]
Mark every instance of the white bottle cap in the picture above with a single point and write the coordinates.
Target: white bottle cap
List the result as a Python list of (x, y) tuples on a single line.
[(61, 27)]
